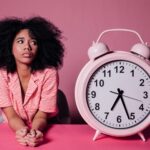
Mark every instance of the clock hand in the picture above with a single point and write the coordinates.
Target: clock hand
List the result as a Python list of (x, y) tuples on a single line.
[(127, 96), (124, 105), (117, 99)]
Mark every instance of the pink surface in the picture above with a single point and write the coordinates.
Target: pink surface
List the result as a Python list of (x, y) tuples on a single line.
[(73, 137), (81, 22)]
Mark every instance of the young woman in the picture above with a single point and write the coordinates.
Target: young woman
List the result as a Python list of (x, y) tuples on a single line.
[(31, 52)]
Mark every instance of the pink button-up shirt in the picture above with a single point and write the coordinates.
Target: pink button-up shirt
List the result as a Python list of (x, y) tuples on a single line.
[(41, 93)]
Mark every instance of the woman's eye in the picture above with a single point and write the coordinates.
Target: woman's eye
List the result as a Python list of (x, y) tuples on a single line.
[(20, 41), (33, 42)]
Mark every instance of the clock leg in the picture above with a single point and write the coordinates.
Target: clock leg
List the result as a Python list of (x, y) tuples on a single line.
[(142, 136), (97, 133)]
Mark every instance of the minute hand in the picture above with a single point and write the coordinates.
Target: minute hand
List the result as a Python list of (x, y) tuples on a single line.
[(124, 105)]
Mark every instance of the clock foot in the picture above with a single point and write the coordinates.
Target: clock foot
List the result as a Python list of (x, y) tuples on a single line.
[(142, 136), (97, 133)]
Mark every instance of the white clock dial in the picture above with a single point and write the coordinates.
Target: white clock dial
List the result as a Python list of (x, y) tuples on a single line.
[(118, 94)]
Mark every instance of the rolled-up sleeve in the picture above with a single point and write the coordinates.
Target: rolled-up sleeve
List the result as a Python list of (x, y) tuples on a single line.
[(4, 90), (48, 102)]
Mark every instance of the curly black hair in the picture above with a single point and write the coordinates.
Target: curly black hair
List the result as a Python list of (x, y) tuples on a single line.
[(50, 48)]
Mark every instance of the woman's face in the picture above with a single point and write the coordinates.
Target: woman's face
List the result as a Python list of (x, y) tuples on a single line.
[(24, 47)]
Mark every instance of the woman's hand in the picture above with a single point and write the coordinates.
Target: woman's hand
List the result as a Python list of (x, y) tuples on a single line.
[(21, 134), (34, 138), (28, 137)]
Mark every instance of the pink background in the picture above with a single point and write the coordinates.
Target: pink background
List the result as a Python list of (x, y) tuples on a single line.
[(81, 22)]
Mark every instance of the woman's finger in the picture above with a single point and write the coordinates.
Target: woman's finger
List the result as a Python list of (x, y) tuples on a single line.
[(22, 131), (22, 141)]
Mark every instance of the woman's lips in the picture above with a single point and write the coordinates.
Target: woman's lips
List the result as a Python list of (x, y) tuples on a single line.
[(28, 55)]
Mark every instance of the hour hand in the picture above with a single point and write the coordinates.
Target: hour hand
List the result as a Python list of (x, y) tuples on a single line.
[(117, 99)]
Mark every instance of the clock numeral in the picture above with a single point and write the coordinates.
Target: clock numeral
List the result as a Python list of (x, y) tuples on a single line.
[(132, 72), (97, 106), (99, 83), (106, 113), (107, 72), (141, 107), (119, 69), (145, 94), (93, 94), (141, 82), (132, 116), (119, 119)]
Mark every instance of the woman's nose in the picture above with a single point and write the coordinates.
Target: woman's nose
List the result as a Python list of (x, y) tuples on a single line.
[(27, 46)]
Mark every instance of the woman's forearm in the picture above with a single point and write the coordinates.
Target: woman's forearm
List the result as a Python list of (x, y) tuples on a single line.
[(39, 123), (16, 123)]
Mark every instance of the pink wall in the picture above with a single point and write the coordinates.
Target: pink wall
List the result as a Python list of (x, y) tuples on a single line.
[(81, 22)]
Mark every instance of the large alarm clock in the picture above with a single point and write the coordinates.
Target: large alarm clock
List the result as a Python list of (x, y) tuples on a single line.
[(112, 91)]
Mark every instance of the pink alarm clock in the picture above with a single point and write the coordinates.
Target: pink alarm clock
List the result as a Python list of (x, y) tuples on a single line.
[(112, 91)]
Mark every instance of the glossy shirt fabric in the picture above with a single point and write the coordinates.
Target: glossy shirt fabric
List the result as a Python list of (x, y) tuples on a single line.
[(41, 93)]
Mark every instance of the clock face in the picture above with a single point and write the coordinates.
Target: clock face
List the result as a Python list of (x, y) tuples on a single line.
[(118, 94)]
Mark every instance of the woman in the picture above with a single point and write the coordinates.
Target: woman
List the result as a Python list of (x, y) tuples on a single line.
[(30, 55)]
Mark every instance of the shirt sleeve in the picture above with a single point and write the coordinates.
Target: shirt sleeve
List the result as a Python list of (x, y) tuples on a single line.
[(4, 90), (48, 102)]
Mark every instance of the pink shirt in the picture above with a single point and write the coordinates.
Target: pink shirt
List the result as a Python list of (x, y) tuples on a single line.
[(41, 93)]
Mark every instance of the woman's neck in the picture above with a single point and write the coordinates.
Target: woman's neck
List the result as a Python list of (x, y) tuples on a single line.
[(24, 71)]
